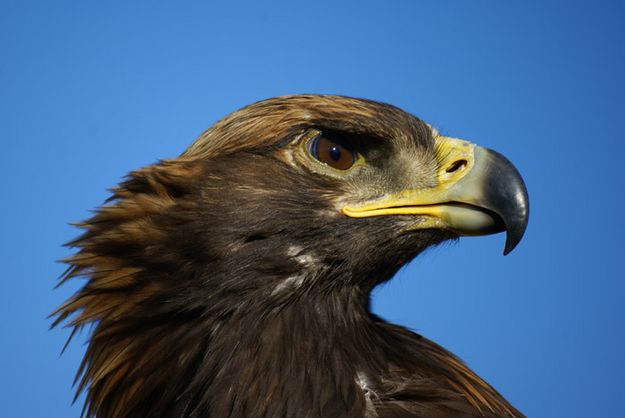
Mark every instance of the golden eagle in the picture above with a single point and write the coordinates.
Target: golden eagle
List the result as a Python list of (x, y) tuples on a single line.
[(234, 280)]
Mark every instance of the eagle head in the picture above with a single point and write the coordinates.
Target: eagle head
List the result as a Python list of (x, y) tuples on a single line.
[(234, 280)]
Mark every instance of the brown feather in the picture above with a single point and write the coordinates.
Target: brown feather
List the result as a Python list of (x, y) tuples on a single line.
[(222, 283)]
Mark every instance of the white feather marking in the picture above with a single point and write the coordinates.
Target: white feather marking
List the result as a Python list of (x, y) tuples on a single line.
[(305, 260), (290, 283), (363, 381)]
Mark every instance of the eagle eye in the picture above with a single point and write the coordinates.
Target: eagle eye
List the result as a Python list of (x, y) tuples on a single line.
[(332, 151)]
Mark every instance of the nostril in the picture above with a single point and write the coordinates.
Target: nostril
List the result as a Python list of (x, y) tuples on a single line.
[(456, 165)]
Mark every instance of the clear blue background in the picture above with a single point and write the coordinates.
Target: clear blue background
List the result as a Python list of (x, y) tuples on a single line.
[(90, 91)]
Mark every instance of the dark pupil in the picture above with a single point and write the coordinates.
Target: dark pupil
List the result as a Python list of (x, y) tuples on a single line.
[(335, 152)]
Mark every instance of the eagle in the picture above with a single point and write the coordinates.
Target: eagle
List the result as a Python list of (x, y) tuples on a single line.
[(235, 280)]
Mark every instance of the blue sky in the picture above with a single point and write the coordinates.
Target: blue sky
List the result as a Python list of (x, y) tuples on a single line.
[(90, 91)]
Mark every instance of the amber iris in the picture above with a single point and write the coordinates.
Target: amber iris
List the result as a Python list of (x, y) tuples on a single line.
[(332, 152)]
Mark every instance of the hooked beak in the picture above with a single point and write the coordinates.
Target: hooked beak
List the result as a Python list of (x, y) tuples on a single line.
[(478, 192)]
